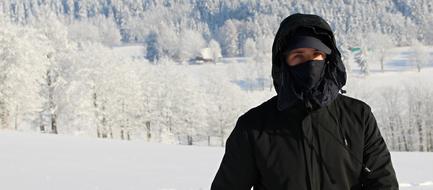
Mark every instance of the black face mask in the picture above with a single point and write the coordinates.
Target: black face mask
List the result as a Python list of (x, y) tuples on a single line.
[(307, 75)]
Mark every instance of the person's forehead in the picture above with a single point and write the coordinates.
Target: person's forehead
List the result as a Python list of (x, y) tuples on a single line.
[(302, 50)]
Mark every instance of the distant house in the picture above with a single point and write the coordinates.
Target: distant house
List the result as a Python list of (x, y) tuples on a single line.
[(206, 55)]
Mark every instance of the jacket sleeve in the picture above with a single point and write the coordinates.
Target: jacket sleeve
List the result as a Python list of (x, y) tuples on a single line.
[(377, 158), (237, 170)]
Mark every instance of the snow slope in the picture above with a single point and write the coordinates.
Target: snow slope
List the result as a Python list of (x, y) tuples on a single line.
[(35, 161)]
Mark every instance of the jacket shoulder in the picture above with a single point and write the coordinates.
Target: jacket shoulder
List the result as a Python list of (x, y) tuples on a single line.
[(256, 115), (353, 106), (353, 101)]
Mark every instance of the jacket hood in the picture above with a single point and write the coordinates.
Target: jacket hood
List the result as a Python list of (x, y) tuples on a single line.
[(335, 72)]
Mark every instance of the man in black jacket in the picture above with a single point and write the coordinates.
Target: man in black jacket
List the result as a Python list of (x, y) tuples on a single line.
[(308, 136)]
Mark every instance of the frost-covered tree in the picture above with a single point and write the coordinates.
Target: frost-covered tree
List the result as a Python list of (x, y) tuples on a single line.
[(223, 105), (188, 102), (153, 48), (361, 58), (249, 48), (419, 117), (346, 54), (169, 41), (95, 29), (57, 46), (23, 64), (420, 55), (228, 35), (392, 120), (379, 44), (137, 19), (190, 44)]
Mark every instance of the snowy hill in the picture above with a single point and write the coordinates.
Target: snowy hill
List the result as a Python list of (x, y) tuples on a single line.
[(45, 162)]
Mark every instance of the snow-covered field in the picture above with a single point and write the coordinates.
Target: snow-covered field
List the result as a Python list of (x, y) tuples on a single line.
[(57, 162)]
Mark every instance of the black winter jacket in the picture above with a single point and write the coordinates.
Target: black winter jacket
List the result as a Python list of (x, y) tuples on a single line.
[(334, 147)]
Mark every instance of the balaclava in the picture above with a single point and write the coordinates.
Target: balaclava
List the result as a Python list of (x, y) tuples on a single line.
[(308, 75)]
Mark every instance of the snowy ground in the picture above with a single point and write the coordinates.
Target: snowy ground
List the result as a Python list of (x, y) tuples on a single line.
[(34, 161)]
